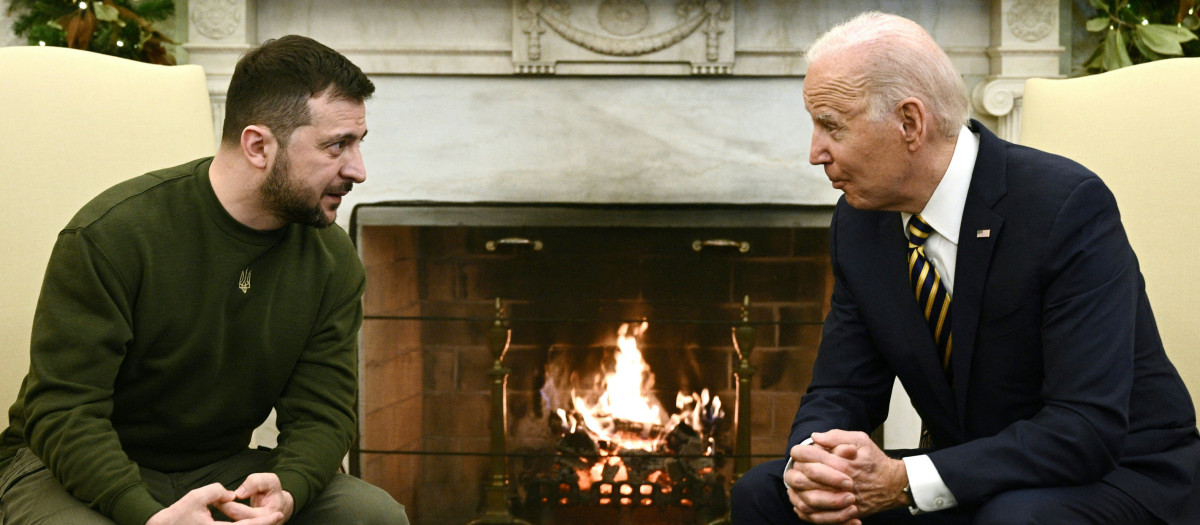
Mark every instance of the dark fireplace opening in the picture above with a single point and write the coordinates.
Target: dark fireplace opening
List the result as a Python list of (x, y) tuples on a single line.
[(620, 372)]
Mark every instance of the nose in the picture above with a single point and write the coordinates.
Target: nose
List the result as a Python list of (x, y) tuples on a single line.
[(354, 168), (818, 152)]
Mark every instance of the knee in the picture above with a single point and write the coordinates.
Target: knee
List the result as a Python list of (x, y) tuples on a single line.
[(751, 486), (759, 496), (742, 491), (374, 506), (1021, 507), (351, 501)]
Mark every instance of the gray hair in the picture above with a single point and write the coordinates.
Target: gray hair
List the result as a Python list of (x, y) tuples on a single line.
[(898, 59)]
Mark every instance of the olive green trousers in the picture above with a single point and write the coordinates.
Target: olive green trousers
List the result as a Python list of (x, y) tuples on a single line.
[(30, 495)]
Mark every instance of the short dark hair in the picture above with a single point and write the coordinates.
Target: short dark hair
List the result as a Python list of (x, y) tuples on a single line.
[(272, 84)]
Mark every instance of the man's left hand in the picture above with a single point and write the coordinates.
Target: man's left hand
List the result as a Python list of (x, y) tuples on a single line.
[(878, 479), (265, 493)]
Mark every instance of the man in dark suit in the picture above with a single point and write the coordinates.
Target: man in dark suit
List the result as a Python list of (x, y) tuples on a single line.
[(997, 283)]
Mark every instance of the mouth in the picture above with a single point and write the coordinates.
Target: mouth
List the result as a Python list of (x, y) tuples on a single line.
[(337, 193), (335, 198)]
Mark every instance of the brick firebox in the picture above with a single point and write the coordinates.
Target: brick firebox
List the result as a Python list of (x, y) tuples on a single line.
[(431, 285)]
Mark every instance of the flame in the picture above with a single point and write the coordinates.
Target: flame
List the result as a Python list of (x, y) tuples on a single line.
[(626, 415), (627, 411), (629, 383)]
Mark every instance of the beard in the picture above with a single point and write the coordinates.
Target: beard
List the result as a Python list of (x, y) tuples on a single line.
[(291, 202)]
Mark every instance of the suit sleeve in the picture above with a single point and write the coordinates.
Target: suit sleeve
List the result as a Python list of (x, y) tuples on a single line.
[(315, 413), (851, 383), (1090, 284)]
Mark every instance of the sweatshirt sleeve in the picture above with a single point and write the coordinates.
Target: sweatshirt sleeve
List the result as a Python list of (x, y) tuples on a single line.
[(316, 416), (81, 329)]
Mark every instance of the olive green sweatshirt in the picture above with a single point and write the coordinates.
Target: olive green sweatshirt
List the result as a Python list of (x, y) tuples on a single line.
[(165, 333)]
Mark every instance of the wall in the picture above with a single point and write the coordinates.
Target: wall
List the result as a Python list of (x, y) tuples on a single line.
[(7, 38)]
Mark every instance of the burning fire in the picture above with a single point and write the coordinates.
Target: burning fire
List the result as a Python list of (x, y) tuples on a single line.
[(626, 419)]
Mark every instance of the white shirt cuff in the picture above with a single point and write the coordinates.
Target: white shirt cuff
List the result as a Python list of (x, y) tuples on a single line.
[(929, 492)]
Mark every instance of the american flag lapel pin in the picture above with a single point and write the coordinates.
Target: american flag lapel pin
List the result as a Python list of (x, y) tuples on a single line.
[(983, 234)]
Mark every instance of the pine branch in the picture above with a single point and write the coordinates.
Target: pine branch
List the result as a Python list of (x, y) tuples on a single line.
[(112, 27), (153, 9)]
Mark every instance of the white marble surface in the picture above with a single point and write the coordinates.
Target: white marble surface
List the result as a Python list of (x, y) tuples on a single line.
[(476, 36), (451, 123), (795, 24), (466, 24), (628, 140), (7, 38), (391, 24)]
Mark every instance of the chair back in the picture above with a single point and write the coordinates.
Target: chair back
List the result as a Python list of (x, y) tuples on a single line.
[(1136, 127), (73, 123)]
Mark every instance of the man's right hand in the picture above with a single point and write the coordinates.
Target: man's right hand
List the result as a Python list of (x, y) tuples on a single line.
[(192, 509), (818, 487)]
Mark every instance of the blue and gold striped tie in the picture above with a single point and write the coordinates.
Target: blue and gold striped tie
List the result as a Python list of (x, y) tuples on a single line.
[(931, 293)]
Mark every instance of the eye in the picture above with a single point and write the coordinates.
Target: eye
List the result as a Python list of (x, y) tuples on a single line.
[(834, 128)]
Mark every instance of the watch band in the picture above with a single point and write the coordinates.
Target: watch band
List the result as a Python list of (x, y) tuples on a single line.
[(912, 505)]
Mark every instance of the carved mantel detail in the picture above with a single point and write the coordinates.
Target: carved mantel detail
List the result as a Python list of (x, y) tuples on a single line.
[(215, 19), (1024, 45), (1032, 20), (219, 31), (622, 36), (1002, 98)]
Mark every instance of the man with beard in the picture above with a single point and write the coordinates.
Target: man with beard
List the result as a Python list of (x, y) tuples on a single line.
[(181, 306)]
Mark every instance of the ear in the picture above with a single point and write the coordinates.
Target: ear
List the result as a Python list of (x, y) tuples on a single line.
[(914, 121), (259, 146)]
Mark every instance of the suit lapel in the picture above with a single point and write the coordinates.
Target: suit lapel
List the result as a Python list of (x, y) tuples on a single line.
[(980, 228)]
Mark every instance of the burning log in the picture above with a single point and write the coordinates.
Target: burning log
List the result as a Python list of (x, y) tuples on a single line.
[(641, 465), (578, 450), (645, 430), (619, 448), (684, 439)]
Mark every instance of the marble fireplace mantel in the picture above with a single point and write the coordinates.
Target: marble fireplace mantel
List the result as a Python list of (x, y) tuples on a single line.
[(609, 101)]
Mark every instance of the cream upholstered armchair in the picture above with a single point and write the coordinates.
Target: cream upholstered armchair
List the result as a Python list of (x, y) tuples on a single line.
[(1136, 128), (73, 123)]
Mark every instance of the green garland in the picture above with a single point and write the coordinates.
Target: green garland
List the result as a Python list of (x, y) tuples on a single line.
[(120, 28), (1137, 31)]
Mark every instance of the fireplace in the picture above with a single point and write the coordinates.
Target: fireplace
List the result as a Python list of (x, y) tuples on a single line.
[(621, 392)]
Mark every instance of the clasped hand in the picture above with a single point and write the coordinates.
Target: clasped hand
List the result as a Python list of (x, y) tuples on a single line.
[(268, 504), (841, 477)]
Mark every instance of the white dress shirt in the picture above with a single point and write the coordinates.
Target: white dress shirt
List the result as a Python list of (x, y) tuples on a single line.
[(943, 213)]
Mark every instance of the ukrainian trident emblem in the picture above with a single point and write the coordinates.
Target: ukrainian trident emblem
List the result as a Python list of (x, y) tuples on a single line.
[(244, 281)]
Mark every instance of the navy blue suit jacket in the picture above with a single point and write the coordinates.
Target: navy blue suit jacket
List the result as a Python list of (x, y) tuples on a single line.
[(1059, 375)]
